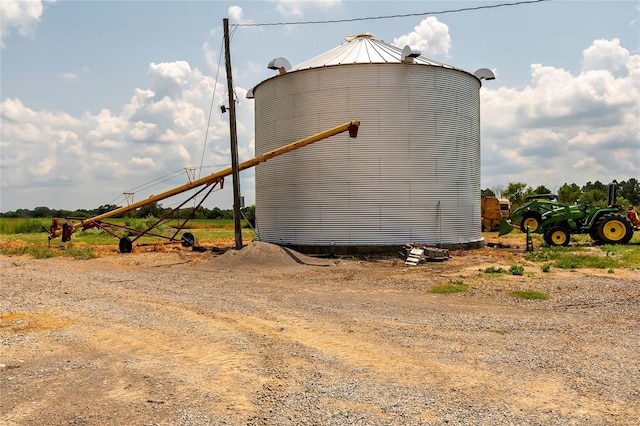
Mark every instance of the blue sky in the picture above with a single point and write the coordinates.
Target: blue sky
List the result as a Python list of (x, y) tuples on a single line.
[(101, 97)]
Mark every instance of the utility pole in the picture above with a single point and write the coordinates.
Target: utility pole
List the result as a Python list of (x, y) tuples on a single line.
[(234, 139)]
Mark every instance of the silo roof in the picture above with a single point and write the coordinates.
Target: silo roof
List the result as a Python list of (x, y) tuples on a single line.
[(362, 49)]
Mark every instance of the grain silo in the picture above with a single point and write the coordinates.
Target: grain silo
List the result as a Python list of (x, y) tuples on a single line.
[(411, 175)]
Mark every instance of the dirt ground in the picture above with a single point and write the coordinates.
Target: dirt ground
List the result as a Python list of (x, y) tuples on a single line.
[(265, 336)]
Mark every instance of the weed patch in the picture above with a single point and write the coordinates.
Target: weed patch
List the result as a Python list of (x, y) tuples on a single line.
[(577, 261), (41, 252), (449, 288), (19, 251), (602, 257), (529, 295), (81, 253), (516, 270)]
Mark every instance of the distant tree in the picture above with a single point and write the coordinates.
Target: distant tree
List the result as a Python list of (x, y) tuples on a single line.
[(569, 194), (597, 185), (541, 190), (250, 215), (516, 192), (17, 213), (24, 213), (630, 190), (215, 213), (487, 193), (42, 212), (104, 209), (498, 190), (149, 210), (227, 214), (595, 197), (78, 213)]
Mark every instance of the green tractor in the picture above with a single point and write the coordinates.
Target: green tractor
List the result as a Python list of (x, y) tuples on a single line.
[(557, 221), (532, 210)]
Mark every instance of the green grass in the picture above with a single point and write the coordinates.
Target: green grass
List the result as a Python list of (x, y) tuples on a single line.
[(529, 295), (516, 270), (494, 270), (599, 257), (449, 288), (83, 253), (31, 238), (40, 251), (9, 226), (33, 230)]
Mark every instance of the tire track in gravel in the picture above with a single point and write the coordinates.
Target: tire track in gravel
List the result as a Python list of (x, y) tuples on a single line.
[(269, 340), (311, 346)]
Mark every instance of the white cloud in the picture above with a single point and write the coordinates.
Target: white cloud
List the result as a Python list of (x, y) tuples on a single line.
[(159, 130), (563, 127), (606, 54), (43, 168), (297, 7), (168, 79), (145, 162), (213, 50), (70, 76), (105, 125), (235, 13), (21, 16), (430, 36), (141, 130)]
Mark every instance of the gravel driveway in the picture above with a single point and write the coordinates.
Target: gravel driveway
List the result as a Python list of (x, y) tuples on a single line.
[(265, 337)]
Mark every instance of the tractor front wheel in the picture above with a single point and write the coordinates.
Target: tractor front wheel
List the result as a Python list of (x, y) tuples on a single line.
[(614, 228), (532, 220), (557, 236)]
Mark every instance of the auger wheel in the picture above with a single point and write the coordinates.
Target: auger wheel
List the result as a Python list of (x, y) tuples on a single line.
[(188, 240), (125, 245)]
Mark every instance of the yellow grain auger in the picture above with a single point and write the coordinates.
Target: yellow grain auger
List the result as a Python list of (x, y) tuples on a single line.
[(66, 228)]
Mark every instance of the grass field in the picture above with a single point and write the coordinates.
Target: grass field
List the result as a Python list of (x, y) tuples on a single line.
[(21, 236)]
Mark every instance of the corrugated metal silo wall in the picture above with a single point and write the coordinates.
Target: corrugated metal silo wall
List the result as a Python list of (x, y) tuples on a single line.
[(411, 175)]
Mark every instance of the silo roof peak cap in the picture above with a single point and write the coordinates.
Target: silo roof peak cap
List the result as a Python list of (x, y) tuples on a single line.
[(361, 35)]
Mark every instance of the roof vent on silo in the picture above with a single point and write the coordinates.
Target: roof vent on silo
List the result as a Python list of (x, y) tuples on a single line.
[(281, 64), (485, 73), (408, 54)]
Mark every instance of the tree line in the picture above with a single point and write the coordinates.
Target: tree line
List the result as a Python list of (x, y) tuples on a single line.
[(593, 193), (150, 210)]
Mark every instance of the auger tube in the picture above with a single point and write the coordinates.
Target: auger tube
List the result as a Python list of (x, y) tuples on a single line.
[(351, 126)]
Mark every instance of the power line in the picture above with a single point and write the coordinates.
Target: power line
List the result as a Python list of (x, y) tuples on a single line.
[(215, 85), (406, 15)]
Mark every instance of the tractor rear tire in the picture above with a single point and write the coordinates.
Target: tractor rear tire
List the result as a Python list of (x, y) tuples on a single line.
[(558, 236), (614, 228), (532, 220)]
